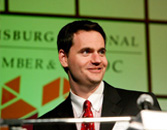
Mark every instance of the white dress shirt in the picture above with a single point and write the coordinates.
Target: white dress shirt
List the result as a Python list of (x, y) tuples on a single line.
[(96, 100)]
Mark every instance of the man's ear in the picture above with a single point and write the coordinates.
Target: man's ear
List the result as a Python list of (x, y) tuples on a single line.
[(63, 58)]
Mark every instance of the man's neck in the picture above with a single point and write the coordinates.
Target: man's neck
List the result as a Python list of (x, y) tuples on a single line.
[(83, 91)]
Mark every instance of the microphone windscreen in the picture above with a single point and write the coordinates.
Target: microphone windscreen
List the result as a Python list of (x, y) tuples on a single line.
[(145, 98)]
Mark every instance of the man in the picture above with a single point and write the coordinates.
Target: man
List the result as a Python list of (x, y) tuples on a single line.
[(81, 47)]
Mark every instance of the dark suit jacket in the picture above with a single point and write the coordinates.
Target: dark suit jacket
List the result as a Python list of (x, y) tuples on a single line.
[(116, 102)]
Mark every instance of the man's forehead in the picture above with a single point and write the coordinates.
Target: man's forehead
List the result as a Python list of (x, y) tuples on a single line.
[(81, 31), (82, 34)]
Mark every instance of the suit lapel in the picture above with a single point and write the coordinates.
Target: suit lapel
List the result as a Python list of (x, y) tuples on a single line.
[(110, 107), (67, 112)]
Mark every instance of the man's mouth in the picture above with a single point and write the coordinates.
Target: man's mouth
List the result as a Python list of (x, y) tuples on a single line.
[(95, 69)]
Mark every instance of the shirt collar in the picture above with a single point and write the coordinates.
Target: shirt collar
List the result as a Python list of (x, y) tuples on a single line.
[(95, 98)]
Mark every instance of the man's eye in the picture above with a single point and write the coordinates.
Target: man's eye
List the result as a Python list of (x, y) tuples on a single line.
[(85, 52), (102, 52)]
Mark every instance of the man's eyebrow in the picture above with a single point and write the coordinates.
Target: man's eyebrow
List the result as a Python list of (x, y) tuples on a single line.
[(103, 48), (86, 48), (91, 49)]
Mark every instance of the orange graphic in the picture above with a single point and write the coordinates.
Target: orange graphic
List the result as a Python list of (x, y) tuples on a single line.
[(51, 91), (14, 84), (6, 96), (17, 110), (4, 128), (20, 108), (66, 86)]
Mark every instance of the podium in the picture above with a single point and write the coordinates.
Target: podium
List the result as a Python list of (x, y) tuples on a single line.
[(145, 120), (150, 120)]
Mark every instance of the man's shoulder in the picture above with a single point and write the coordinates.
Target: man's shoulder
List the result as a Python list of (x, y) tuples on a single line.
[(62, 108), (121, 90), (128, 95), (124, 93)]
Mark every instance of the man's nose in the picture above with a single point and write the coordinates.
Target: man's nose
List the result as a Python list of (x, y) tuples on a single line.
[(95, 58)]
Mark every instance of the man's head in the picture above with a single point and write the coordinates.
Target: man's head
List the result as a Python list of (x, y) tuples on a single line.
[(82, 52), (66, 34)]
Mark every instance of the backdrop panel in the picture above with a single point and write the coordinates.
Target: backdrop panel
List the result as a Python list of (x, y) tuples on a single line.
[(158, 58), (2, 5), (112, 8), (43, 6), (157, 9)]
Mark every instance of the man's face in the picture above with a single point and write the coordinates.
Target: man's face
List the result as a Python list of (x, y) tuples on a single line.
[(86, 59)]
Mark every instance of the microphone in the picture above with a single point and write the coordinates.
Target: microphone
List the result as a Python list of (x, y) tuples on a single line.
[(145, 101)]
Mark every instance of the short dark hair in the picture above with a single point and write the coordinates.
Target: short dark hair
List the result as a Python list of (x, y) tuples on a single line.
[(65, 36)]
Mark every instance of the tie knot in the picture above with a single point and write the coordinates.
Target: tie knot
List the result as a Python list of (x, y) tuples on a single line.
[(87, 104)]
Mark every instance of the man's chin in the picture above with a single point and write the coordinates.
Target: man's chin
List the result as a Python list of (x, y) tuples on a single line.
[(96, 78), (96, 81)]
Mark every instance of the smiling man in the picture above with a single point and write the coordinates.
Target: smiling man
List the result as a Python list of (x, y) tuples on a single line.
[(86, 62), (82, 54)]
